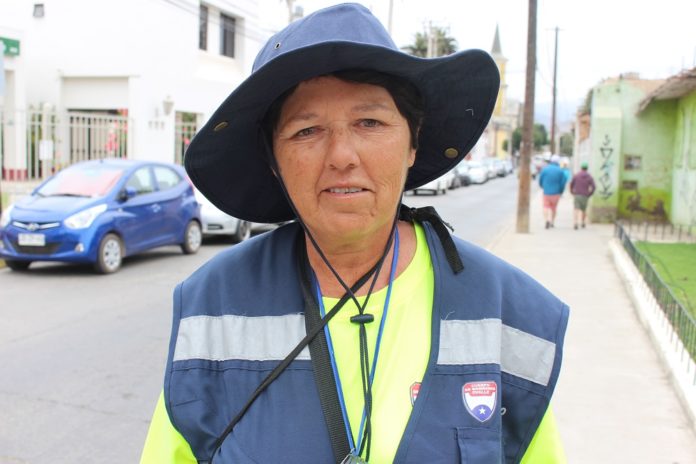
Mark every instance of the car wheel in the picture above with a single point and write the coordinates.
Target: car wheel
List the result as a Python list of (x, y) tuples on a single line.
[(193, 238), (17, 265), (109, 255), (243, 231)]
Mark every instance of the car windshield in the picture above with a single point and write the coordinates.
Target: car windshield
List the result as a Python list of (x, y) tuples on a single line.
[(92, 180)]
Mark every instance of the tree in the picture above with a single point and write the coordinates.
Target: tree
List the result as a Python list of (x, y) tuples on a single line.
[(566, 144), (541, 137), (445, 45)]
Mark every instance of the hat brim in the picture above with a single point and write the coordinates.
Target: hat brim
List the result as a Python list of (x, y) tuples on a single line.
[(226, 162)]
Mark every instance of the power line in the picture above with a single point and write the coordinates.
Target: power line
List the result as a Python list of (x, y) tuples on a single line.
[(258, 33)]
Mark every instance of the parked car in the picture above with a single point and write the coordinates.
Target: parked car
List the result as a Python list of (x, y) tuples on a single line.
[(216, 222), (539, 162), (489, 165), (478, 173), (437, 186), (461, 174), (500, 168), (100, 212), (533, 170)]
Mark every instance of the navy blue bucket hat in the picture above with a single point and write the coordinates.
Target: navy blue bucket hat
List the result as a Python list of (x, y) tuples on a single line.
[(227, 158)]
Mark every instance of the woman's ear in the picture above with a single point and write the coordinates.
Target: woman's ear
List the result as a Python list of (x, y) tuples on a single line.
[(411, 156)]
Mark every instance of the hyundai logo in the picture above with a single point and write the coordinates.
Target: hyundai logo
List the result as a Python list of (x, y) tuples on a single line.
[(32, 226)]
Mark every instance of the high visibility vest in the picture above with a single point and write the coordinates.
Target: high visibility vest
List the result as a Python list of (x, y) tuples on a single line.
[(496, 349)]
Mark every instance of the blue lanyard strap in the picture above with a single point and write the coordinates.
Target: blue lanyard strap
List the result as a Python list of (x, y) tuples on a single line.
[(371, 373)]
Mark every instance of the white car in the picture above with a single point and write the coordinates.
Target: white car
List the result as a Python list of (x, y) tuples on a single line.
[(478, 173), (216, 222), (439, 185)]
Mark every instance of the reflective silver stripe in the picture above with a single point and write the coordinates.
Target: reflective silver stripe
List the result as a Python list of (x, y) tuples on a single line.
[(221, 338), (482, 342)]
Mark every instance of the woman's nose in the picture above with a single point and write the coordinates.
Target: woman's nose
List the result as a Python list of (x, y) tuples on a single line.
[(341, 151)]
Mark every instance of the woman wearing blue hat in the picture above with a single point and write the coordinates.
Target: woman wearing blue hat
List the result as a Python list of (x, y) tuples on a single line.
[(362, 331)]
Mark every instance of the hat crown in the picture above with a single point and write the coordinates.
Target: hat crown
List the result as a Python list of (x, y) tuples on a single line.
[(349, 22)]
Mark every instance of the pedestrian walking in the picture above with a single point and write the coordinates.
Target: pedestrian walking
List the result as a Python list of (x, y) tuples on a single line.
[(552, 180), (582, 187), (362, 331), (566, 169)]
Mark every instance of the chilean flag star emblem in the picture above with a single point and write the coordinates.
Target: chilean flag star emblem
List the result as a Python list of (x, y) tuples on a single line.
[(480, 398)]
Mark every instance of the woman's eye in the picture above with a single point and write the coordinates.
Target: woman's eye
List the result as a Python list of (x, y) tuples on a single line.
[(305, 132), (369, 123)]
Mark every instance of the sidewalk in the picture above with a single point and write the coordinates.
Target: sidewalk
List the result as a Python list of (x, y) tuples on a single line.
[(614, 402)]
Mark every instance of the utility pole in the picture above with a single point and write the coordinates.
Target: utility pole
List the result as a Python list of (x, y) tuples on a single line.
[(391, 13), (294, 12), (430, 52), (553, 104), (527, 124)]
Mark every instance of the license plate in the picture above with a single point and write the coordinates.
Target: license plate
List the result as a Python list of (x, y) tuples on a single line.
[(32, 240)]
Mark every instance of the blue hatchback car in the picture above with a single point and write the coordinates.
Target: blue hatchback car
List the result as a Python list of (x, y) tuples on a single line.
[(101, 211)]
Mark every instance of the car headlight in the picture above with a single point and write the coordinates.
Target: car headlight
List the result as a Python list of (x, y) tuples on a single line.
[(5, 218), (85, 218)]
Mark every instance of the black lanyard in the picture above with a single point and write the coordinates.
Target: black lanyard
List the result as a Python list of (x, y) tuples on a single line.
[(316, 330)]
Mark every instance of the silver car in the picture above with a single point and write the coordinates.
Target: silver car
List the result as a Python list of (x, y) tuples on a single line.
[(216, 222)]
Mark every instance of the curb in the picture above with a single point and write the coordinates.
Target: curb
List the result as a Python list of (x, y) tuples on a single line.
[(682, 374), (504, 231)]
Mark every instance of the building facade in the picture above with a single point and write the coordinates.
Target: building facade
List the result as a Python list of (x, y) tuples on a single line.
[(643, 149), (117, 79)]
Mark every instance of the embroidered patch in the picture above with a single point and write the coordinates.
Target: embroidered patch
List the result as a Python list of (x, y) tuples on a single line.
[(415, 389), (480, 398)]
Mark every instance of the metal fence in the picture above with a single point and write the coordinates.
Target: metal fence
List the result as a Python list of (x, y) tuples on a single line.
[(183, 133), (682, 322), (54, 140), (659, 232)]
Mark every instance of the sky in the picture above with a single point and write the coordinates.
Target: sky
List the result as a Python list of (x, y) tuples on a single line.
[(597, 38)]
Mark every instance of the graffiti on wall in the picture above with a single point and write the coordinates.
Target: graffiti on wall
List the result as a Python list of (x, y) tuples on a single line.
[(606, 182)]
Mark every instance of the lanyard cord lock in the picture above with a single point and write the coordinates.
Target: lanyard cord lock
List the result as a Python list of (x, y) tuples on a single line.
[(362, 318)]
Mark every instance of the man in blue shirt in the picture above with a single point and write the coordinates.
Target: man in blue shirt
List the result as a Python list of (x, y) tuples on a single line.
[(552, 180)]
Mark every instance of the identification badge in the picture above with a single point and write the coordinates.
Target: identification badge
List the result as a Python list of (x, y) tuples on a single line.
[(415, 389), (480, 399)]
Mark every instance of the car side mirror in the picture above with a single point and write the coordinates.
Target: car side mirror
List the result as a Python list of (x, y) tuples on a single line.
[(127, 193)]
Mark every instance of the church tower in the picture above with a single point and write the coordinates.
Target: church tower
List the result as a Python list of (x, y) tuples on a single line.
[(500, 127), (501, 61)]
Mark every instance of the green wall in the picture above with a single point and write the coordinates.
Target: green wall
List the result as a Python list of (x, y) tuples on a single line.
[(684, 175), (605, 154), (632, 154)]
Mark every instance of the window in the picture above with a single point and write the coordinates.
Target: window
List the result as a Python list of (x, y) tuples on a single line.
[(632, 162), (166, 178), (227, 26), (141, 181), (203, 28)]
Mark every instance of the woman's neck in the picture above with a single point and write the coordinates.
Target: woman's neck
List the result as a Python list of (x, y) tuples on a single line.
[(352, 261)]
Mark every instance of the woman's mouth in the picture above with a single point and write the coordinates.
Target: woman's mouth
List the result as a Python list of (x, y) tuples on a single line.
[(344, 190)]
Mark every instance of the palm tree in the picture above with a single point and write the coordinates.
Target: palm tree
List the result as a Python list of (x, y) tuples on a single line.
[(445, 45)]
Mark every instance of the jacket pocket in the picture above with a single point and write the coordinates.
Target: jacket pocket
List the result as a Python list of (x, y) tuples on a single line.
[(479, 446)]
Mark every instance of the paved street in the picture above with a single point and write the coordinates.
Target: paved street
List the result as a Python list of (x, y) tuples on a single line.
[(83, 355)]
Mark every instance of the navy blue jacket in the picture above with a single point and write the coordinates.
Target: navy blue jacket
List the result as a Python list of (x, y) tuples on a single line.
[(241, 313)]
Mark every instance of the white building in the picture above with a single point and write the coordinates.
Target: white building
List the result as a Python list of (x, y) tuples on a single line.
[(126, 78)]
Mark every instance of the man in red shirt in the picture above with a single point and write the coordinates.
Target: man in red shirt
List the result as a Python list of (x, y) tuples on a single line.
[(582, 187)]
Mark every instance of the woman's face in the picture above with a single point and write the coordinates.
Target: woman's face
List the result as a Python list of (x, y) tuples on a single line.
[(343, 151)]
